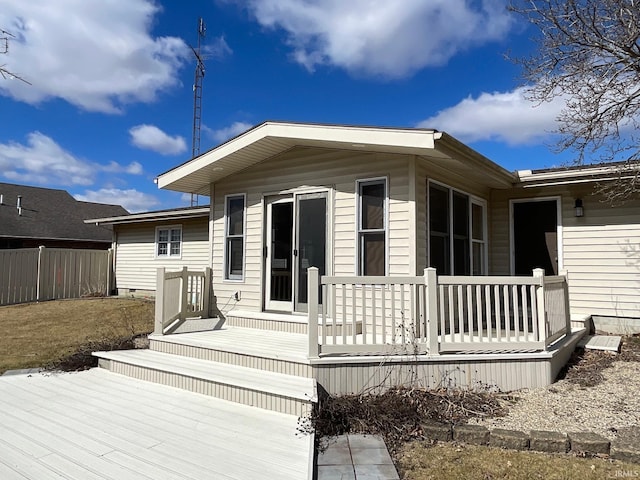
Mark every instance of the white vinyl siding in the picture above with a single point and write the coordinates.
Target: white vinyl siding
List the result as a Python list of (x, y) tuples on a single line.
[(309, 170), (136, 260)]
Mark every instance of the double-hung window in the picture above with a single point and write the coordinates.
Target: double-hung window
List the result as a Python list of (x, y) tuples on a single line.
[(372, 226), (457, 233), (169, 242), (234, 237)]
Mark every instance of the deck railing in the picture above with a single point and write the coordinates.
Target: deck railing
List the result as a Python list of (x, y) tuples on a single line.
[(431, 314), (180, 295)]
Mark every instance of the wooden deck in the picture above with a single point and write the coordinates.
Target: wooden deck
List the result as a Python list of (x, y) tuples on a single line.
[(99, 425)]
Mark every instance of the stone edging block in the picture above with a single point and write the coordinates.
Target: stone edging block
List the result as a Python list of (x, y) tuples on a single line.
[(543, 441)]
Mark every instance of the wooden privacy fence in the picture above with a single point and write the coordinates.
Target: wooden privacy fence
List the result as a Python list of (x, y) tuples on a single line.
[(431, 314), (179, 296), (38, 274)]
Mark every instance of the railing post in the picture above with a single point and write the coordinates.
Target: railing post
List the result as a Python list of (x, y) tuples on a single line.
[(206, 294), (543, 331), (431, 281), (313, 282), (567, 305), (159, 315), (184, 297)]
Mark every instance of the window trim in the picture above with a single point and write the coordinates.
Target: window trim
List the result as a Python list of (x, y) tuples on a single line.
[(168, 255), (473, 199), (226, 274), (385, 222)]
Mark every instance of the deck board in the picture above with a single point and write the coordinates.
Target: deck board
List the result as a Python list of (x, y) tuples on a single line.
[(277, 345), (100, 425)]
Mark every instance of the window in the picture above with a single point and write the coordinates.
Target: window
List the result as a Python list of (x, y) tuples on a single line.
[(456, 232), (234, 237), (169, 241), (372, 231)]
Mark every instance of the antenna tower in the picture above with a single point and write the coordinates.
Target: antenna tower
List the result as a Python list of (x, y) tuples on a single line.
[(197, 99)]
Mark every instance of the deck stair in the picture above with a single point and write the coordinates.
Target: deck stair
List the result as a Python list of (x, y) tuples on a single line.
[(262, 368)]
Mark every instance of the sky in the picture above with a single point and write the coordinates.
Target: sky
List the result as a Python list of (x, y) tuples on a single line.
[(110, 101)]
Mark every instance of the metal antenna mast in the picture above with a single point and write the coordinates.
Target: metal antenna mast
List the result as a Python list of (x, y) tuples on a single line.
[(197, 99)]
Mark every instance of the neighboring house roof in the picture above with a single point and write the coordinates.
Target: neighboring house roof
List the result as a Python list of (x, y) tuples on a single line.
[(51, 214), (170, 214), (272, 138), (578, 174)]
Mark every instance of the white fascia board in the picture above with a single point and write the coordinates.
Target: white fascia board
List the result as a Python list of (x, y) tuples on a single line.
[(354, 137), (150, 216), (575, 175)]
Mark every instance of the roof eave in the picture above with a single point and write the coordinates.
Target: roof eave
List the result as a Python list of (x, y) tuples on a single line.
[(289, 135), (151, 217)]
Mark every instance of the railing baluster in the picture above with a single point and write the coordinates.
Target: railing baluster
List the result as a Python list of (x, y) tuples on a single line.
[(343, 299), (525, 312), (323, 318), (334, 329), (374, 317), (443, 313), (364, 315), (498, 309), (507, 312), (487, 306), (469, 312), (383, 292), (516, 312), (460, 302), (404, 317), (354, 317), (479, 301), (393, 313)]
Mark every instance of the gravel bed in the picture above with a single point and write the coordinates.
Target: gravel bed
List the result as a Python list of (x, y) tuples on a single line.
[(567, 407)]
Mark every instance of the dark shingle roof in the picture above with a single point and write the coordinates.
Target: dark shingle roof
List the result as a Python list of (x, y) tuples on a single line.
[(51, 214)]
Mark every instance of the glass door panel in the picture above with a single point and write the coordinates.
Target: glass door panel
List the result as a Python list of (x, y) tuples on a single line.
[(311, 247), (279, 277)]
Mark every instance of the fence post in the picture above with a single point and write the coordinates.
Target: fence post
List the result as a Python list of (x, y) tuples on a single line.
[(312, 311), (159, 315), (431, 281), (39, 284), (543, 331), (109, 271)]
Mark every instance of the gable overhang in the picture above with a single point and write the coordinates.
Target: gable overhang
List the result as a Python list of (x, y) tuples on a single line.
[(273, 138)]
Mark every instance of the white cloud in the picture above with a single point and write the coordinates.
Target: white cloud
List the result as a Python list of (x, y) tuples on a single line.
[(131, 199), (224, 134), (150, 137), (501, 116), (42, 161), (94, 54), (392, 39)]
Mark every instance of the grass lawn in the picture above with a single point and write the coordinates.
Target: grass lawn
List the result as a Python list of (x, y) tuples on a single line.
[(37, 334), (421, 461)]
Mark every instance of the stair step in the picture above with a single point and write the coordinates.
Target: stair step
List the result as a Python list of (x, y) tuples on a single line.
[(272, 391), (260, 349)]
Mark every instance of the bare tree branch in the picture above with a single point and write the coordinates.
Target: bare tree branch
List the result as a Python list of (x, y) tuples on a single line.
[(588, 52)]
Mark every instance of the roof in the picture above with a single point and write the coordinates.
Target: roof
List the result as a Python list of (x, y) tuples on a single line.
[(578, 174), (272, 138), (153, 216), (51, 214)]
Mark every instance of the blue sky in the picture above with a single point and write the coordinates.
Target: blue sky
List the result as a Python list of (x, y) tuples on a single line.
[(110, 102)]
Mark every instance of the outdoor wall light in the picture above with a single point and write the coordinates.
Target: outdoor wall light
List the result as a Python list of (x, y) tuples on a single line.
[(579, 208)]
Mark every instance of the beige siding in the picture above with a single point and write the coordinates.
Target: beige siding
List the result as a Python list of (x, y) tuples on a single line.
[(309, 169), (136, 262), (601, 251)]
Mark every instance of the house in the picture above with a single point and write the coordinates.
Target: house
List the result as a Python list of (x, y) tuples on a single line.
[(143, 242), (364, 257), (34, 216)]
